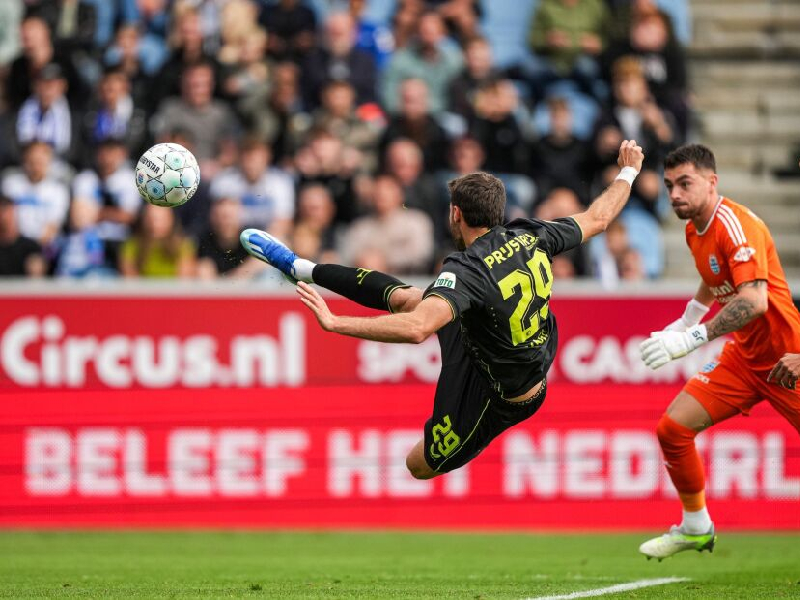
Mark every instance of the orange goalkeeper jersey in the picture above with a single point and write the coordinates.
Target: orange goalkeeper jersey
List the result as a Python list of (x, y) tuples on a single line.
[(737, 247)]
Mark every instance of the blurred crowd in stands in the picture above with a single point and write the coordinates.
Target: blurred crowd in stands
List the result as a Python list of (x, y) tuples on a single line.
[(327, 126)]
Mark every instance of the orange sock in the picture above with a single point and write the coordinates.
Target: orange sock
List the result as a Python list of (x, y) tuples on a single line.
[(692, 502), (683, 462)]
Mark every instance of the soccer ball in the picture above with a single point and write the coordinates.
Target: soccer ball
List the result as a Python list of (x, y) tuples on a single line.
[(167, 175)]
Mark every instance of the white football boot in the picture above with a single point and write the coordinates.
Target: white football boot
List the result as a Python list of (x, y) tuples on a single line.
[(676, 541)]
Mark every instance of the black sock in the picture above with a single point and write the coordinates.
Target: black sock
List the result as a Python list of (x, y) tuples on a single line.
[(368, 288)]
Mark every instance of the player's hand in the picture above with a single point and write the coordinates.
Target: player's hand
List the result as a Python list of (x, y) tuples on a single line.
[(664, 346), (311, 298), (630, 155), (786, 371)]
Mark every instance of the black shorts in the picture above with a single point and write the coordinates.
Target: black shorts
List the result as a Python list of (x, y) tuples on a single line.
[(467, 412)]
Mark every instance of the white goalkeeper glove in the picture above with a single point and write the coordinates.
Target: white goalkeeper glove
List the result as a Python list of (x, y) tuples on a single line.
[(664, 346), (694, 313)]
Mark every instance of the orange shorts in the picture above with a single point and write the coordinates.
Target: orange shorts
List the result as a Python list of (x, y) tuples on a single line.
[(729, 386)]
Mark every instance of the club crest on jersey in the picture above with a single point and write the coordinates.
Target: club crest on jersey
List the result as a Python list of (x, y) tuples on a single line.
[(446, 279), (712, 262), (744, 254)]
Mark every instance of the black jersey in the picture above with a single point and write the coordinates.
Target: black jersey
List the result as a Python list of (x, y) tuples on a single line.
[(499, 287)]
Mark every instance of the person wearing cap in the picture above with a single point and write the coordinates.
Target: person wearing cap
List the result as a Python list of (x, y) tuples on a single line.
[(46, 115)]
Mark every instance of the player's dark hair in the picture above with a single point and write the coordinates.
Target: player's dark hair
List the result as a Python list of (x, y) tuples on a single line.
[(481, 198), (696, 154)]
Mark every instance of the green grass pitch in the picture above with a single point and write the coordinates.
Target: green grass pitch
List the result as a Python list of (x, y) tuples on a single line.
[(382, 565)]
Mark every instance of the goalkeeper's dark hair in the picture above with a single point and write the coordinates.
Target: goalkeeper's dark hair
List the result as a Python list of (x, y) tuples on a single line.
[(696, 154), (481, 198)]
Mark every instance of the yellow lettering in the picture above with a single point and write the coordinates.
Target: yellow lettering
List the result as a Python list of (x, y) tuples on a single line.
[(498, 256), (489, 260)]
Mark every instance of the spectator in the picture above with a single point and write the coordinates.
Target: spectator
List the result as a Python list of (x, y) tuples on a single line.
[(429, 58), (111, 16), (568, 37), (188, 49), (290, 28), (374, 38), (631, 266), (282, 120), (42, 202), (246, 76), (213, 124), (128, 55), (643, 231), (478, 70), (80, 252), (338, 116), (399, 238), (37, 52), (73, 24), (314, 236), (404, 162), (559, 203), (559, 158), (266, 193), (466, 156), (10, 18), (496, 127), (634, 115), (461, 17), (20, 256), (607, 252), (153, 20), (109, 188), (415, 122), (337, 60), (46, 116), (405, 21), (325, 160), (114, 115), (661, 59), (238, 21), (220, 252), (157, 248)]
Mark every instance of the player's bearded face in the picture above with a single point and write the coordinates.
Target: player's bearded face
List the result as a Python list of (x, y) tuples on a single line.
[(689, 190), (456, 232)]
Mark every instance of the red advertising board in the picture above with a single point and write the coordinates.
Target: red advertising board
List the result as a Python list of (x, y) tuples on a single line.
[(86, 342), (240, 412)]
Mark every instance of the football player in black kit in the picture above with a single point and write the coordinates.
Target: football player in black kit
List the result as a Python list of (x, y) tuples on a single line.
[(489, 306)]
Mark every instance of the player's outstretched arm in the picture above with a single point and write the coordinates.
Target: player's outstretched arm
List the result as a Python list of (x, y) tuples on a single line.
[(750, 302), (605, 208), (414, 327)]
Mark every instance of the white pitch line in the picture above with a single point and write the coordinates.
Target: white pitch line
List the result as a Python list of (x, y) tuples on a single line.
[(614, 589)]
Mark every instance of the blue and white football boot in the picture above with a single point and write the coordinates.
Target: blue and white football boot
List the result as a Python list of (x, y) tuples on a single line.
[(270, 250)]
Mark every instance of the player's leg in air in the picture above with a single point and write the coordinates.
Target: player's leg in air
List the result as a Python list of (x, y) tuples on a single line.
[(372, 289), (464, 419)]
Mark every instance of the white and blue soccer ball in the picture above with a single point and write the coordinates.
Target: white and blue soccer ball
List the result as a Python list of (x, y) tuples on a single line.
[(167, 175)]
